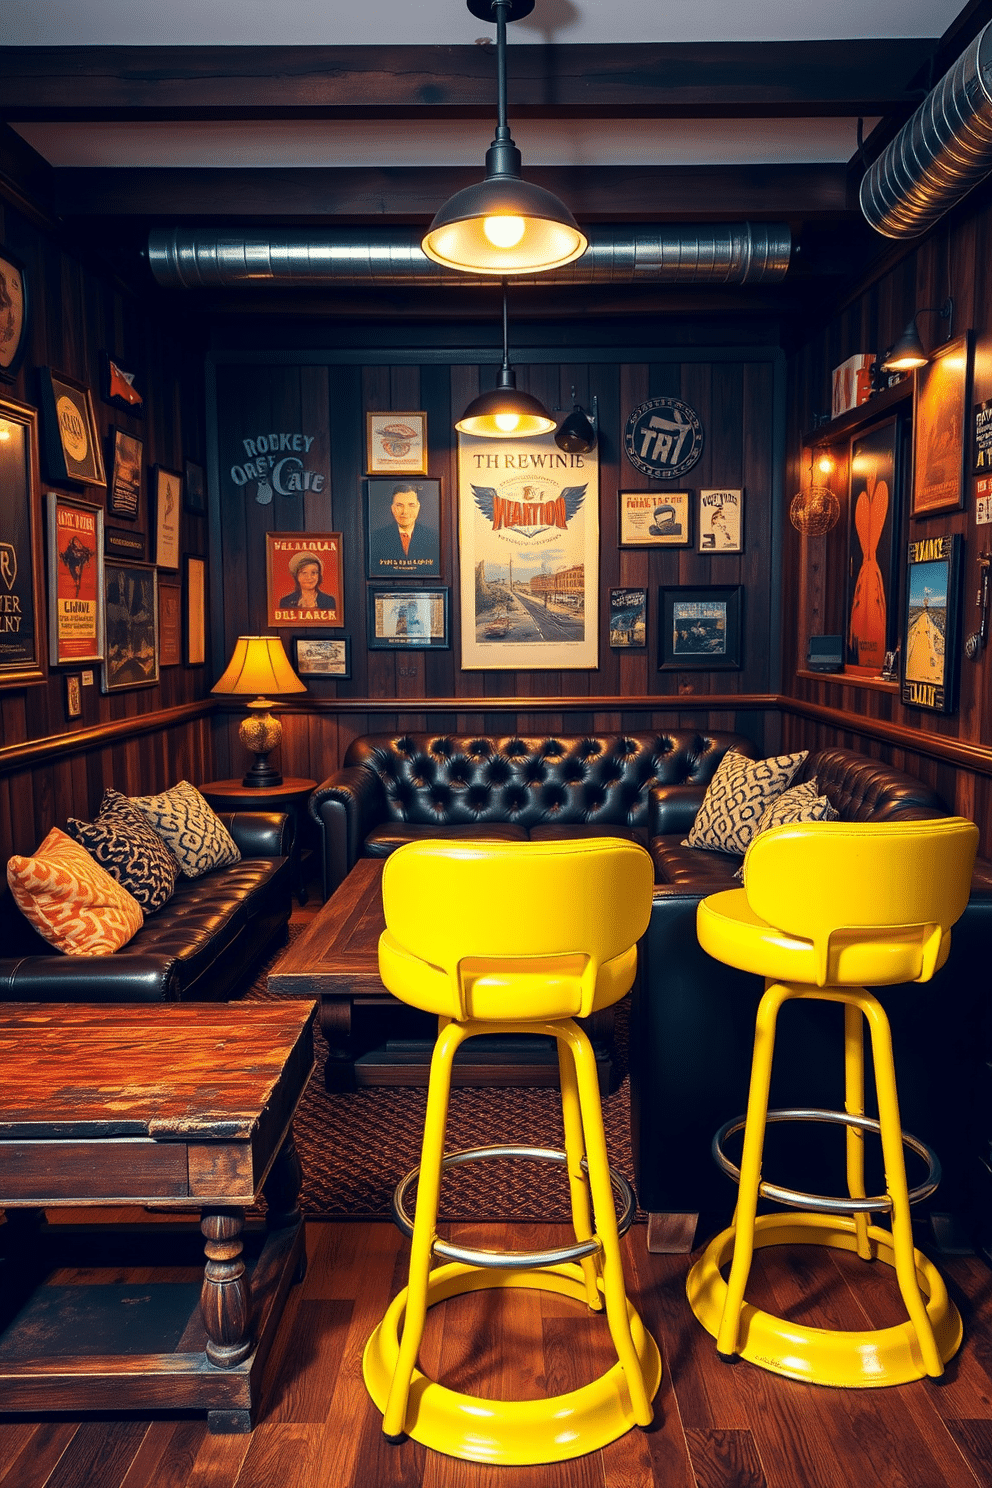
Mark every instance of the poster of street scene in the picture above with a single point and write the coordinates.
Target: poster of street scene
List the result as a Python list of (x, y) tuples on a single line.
[(628, 617), (930, 638), (700, 629), (131, 620), (529, 529), (407, 619), (721, 521)]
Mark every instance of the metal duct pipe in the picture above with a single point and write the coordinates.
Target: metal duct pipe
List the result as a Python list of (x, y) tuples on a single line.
[(736, 253), (939, 154)]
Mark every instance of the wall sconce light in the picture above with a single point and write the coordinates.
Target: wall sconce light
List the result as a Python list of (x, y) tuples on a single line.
[(503, 225), (815, 510), (577, 435), (505, 412), (907, 353), (259, 665)]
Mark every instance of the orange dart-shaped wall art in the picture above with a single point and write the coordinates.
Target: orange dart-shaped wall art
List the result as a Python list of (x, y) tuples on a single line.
[(872, 491)]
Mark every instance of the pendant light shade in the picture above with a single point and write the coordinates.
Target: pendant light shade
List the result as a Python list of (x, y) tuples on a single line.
[(505, 413), (908, 352)]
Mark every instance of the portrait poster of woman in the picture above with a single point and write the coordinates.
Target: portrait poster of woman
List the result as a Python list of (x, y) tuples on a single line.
[(874, 525), (939, 414), (304, 580)]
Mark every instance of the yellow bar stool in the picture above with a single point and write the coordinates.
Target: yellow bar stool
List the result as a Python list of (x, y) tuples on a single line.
[(516, 937), (826, 911)]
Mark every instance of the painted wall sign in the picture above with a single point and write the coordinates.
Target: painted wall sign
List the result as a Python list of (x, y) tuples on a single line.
[(663, 438), (278, 465)]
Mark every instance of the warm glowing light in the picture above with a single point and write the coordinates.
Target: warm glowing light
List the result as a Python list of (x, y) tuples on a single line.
[(904, 363), (826, 464), (4, 433), (504, 232), (506, 422)]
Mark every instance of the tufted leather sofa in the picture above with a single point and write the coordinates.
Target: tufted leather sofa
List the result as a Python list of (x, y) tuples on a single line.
[(202, 944), (393, 789)]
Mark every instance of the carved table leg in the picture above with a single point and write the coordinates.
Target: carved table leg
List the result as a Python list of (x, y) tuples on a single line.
[(225, 1300), (282, 1190), (335, 1025)]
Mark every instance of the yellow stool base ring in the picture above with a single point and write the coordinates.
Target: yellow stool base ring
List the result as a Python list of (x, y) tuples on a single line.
[(823, 1356), (510, 1432)]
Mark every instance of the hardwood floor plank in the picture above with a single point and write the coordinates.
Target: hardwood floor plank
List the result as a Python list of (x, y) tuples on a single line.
[(974, 1439), (218, 1460), (29, 1453), (280, 1454), (99, 1452), (725, 1459), (303, 1372), (166, 1456)]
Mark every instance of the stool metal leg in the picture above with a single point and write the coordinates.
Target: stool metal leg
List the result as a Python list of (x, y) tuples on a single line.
[(854, 1105), (578, 1182)]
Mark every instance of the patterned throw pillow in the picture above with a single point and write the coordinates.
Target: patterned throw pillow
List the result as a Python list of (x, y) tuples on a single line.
[(800, 803), (736, 798), (191, 828), (71, 900), (123, 841)]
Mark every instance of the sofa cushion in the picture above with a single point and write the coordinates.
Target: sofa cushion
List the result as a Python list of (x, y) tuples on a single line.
[(191, 828), (384, 839), (691, 867), (737, 797), (205, 915), (123, 841), (71, 900), (573, 834)]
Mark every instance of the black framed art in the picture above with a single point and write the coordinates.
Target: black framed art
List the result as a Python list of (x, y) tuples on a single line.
[(75, 580), (940, 402), (655, 519), (72, 443), (194, 488), (126, 470), (628, 618), (13, 314), (22, 649), (131, 626), (873, 533), (930, 631), (402, 522), (324, 658), (700, 629), (408, 619)]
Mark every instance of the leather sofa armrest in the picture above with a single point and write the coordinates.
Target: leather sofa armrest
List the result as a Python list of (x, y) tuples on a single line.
[(346, 806), (260, 834), (672, 808), (115, 978)]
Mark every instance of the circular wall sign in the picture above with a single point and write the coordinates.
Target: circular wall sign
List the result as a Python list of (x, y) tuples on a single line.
[(663, 438)]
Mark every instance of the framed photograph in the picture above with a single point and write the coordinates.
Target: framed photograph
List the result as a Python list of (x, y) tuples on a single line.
[(930, 633), (131, 626), (117, 385), (628, 618), (22, 645), (402, 519), (13, 314), (194, 488), (168, 488), (396, 443), (75, 580), (72, 442), (305, 579), (330, 658), (73, 696), (126, 472), (407, 619), (196, 611), (655, 519), (700, 629), (170, 622), (873, 576), (720, 525), (940, 403)]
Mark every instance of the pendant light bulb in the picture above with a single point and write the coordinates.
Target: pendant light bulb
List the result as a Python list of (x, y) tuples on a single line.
[(504, 232), (506, 422)]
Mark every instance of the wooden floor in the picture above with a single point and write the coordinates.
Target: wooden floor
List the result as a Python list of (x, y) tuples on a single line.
[(718, 1426)]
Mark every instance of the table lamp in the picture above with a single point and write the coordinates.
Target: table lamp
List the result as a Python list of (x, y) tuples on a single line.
[(259, 665)]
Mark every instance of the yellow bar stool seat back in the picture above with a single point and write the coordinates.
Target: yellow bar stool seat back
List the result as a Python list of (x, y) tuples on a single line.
[(515, 938), (827, 911)]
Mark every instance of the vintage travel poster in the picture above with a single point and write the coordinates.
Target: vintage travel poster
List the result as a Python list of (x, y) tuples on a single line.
[(529, 529), (75, 553)]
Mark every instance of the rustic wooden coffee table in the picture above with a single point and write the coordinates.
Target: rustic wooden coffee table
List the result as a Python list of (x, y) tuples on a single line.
[(171, 1106), (336, 959)]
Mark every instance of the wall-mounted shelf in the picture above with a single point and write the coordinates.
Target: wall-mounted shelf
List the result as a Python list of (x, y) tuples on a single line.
[(849, 679), (865, 413)]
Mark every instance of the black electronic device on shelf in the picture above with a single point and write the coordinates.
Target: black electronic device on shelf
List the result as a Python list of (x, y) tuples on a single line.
[(825, 653)]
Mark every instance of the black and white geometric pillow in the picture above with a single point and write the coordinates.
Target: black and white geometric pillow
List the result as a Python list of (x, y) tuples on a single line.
[(800, 803), (192, 829), (122, 842), (736, 799)]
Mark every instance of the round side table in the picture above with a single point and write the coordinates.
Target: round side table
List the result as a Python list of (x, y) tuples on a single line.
[(290, 797)]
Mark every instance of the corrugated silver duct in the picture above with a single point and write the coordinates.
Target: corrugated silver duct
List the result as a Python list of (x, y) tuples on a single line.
[(738, 253), (940, 153)]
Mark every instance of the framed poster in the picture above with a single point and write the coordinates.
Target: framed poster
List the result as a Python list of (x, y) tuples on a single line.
[(13, 314), (407, 619), (330, 658), (170, 622), (72, 443), (396, 442), (168, 485), (126, 467), (117, 385), (720, 524), (73, 696), (22, 652), (929, 644), (304, 579), (119, 542), (699, 629), (873, 578), (131, 626), (402, 519), (194, 488), (75, 580), (529, 540), (655, 519), (940, 402), (196, 610), (628, 618)]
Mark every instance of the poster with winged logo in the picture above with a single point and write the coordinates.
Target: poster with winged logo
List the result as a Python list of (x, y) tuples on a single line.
[(529, 536)]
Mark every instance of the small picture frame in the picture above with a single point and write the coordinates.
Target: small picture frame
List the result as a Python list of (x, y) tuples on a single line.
[(628, 618), (930, 632), (720, 521), (75, 580), (396, 443), (324, 658), (196, 610), (699, 630), (402, 520), (170, 622), (304, 580), (72, 443), (655, 519), (131, 626), (23, 659), (168, 491), (126, 473), (940, 402), (119, 542), (117, 385), (408, 619), (73, 696), (194, 488), (13, 314)]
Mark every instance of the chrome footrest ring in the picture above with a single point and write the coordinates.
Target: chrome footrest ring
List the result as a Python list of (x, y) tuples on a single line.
[(513, 1259), (820, 1203)]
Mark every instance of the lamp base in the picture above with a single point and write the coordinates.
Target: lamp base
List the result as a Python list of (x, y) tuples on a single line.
[(262, 775), (261, 733)]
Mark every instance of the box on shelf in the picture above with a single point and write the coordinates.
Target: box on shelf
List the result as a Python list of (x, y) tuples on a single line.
[(851, 383)]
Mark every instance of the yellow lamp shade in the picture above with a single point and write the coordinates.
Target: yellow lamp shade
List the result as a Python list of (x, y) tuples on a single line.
[(259, 665)]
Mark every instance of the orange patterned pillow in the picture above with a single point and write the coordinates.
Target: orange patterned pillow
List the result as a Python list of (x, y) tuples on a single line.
[(71, 900)]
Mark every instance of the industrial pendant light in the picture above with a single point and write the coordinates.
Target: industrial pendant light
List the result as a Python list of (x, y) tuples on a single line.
[(505, 413), (503, 225), (908, 352)]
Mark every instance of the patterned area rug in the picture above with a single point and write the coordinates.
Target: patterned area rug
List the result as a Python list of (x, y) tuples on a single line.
[(355, 1147)]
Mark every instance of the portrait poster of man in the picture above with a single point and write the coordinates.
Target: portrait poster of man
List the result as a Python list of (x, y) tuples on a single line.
[(304, 580), (529, 536), (939, 413), (403, 523), (75, 569)]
